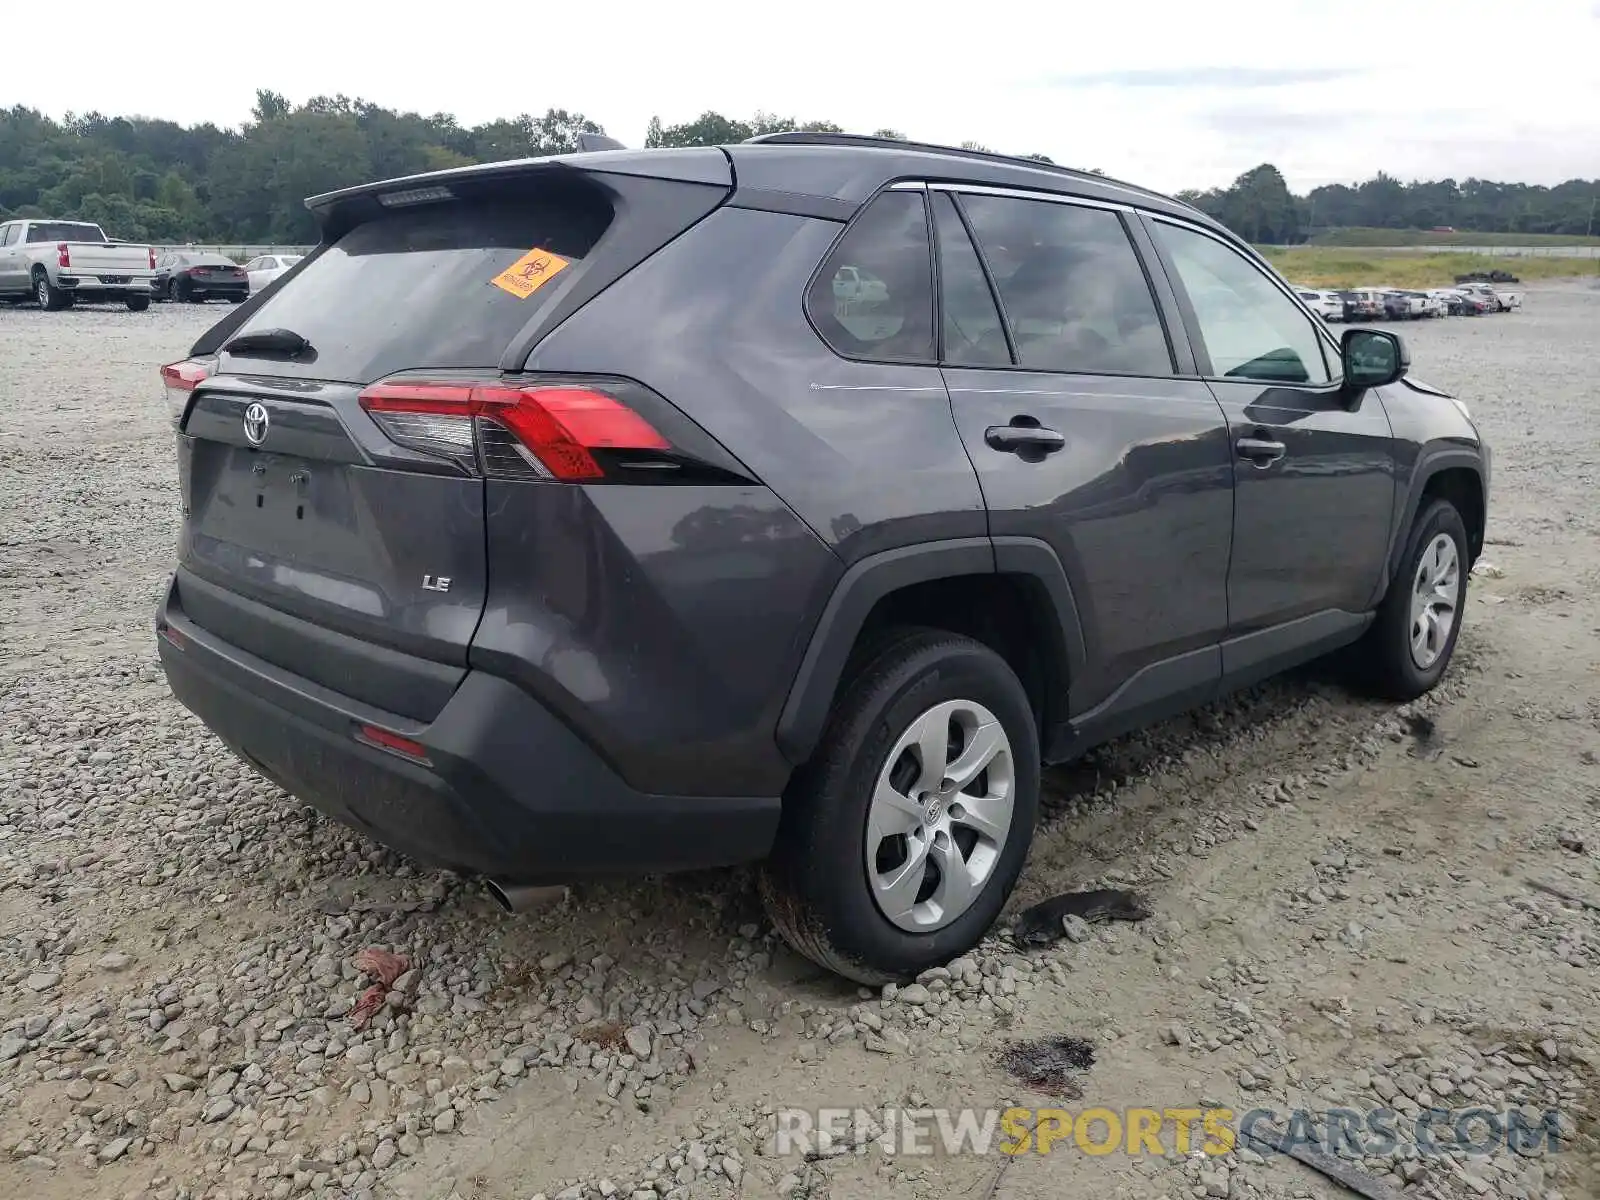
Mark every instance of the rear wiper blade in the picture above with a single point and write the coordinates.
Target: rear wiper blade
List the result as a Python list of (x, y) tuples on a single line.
[(268, 341)]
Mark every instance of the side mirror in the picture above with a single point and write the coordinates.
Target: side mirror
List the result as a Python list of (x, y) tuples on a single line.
[(1373, 357)]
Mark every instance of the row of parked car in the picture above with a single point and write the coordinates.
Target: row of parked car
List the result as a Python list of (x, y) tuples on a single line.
[(1399, 304), (60, 263)]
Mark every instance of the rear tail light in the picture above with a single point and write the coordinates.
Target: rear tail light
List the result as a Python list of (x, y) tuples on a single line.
[(63, 258), (179, 380), (152, 259), (570, 430)]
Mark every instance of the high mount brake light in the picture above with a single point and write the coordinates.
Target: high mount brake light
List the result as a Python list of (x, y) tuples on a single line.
[(557, 425)]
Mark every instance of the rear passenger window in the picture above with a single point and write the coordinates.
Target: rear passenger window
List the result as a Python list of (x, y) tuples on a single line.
[(973, 334), (873, 297), (1073, 291), (1250, 328)]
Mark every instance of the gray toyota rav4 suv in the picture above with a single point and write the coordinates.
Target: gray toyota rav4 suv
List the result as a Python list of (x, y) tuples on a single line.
[(790, 501)]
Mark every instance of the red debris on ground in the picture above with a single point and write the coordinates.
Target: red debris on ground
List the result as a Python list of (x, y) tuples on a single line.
[(367, 1007), (384, 968)]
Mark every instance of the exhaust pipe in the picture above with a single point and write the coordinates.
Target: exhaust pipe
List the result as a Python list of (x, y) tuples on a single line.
[(519, 898)]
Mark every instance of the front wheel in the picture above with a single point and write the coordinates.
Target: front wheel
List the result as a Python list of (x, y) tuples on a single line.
[(1405, 652), (902, 838)]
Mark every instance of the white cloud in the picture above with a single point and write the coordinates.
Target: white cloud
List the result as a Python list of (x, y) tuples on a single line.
[(1170, 94)]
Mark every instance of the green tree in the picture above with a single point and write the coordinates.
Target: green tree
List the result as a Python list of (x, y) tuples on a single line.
[(157, 179)]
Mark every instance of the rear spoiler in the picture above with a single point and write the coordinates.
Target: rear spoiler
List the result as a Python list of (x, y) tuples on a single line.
[(337, 211)]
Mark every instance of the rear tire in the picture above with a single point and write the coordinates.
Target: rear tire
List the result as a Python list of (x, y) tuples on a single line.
[(873, 826), (136, 303), (1406, 651), (50, 297)]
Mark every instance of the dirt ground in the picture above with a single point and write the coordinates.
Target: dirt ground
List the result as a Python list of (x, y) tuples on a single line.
[(1344, 909)]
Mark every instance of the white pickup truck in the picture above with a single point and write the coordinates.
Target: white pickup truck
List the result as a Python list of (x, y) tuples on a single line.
[(59, 262)]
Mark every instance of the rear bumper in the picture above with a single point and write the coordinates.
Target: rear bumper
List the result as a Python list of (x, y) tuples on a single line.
[(119, 285), (507, 790)]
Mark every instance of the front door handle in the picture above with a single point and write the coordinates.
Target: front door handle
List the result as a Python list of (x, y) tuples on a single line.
[(1012, 438), (1260, 451)]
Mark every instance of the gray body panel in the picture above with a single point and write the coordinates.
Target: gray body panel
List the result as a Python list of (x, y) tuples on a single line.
[(1138, 506), (864, 453), (1311, 529)]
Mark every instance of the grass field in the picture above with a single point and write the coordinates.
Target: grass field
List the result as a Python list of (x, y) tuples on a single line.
[(1330, 266), (1366, 236)]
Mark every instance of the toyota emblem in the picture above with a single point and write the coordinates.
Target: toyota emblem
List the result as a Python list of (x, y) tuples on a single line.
[(256, 421)]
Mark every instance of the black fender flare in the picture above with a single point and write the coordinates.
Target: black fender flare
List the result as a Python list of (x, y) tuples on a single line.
[(864, 583), (1432, 461)]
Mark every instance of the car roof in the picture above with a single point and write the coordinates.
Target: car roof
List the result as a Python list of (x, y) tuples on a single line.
[(839, 171)]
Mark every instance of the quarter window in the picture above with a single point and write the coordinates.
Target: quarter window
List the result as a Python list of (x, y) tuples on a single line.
[(873, 297), (1250, 328), (1074, 294)]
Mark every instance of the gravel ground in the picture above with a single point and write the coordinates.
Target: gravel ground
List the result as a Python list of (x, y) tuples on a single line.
[(1343, 914)]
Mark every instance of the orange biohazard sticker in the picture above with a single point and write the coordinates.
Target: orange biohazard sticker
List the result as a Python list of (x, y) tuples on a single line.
[(530, 273)]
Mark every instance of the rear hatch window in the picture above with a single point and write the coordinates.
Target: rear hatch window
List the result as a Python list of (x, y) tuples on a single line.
[(443, 284), (62, 231)]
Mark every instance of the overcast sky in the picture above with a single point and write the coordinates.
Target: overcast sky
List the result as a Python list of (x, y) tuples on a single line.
[(1170, 95)]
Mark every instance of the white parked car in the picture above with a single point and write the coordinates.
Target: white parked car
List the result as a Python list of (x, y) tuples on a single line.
[(264, 268), (1327, 305)]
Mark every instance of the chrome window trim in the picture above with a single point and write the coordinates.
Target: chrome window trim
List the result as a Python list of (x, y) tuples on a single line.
[(983, 189)]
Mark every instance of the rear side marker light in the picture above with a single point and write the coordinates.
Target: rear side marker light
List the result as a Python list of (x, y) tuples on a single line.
[(557, 426), (176, 639), (395, 743)]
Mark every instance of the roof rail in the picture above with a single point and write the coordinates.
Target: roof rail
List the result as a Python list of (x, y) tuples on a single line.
[(807, 138)]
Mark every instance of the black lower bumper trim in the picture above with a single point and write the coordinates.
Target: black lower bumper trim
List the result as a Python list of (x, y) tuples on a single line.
[(509, 791)]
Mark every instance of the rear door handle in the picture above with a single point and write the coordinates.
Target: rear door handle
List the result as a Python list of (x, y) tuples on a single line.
[(1011, 438), (1260, 451)]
